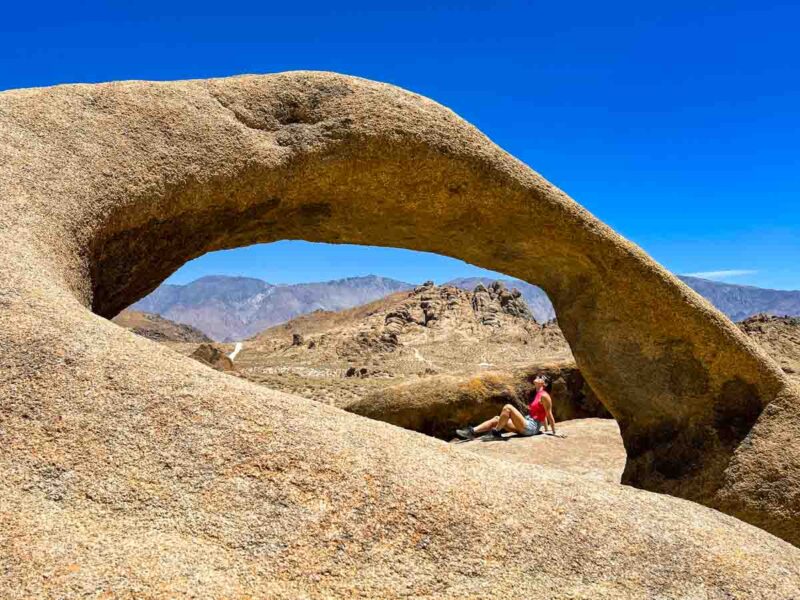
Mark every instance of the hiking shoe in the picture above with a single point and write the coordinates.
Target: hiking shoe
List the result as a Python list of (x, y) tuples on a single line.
[(467, 433), (497, 434)]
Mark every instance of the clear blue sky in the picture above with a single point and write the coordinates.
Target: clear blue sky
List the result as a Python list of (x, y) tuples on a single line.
[(678, 125)]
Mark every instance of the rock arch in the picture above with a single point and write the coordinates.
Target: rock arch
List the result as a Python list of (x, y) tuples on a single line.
[(107, 189)]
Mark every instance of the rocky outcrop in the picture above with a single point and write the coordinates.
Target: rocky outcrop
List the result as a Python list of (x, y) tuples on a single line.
[(440, 404), (425, 306), (212, 356), (428, 305), (137, 453), (487, 302), (445, 336), (357, 372), (779, 336)]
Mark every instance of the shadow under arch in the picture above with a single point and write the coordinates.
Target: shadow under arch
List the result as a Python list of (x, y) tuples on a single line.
[(198, 166)]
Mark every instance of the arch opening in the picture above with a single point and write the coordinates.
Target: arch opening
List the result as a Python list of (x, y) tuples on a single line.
[(432, 358)]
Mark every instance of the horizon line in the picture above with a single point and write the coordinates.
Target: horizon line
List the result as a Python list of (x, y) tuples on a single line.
[(695, 275)]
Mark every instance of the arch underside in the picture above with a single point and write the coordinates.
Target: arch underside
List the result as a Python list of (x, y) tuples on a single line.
[(163, 173)]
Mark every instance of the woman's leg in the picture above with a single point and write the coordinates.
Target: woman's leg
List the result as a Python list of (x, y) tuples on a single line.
[(511, 419), (486, 425)]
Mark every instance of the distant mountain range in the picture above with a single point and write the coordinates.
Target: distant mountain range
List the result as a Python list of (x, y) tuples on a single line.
[(233, 308), (742, 301)]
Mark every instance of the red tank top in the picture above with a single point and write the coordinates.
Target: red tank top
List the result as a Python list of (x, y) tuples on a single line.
[(536, 408)]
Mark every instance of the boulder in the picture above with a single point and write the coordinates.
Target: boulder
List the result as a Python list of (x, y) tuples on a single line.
[(779, 336), (439, 404), (211, 355)]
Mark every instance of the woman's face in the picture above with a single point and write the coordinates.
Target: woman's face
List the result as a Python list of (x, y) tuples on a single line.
[(538, 382)]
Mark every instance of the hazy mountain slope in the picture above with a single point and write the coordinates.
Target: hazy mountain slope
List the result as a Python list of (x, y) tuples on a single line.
[(742, 301), (233, 308), (158, 328), (220, 306)]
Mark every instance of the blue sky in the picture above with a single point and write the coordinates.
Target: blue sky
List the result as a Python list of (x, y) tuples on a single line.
[(678, 125)]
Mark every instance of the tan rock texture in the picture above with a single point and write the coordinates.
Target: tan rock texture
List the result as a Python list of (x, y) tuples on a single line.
[(130, 470), (211, 355), (780, 338), (592, 448)]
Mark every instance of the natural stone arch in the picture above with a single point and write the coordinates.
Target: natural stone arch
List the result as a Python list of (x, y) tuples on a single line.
[(107, 189)]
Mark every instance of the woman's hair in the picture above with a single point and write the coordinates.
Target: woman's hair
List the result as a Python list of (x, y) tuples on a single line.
[(548, 384)]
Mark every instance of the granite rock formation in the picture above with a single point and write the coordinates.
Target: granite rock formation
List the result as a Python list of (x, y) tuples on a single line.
[(780, 337), (211, 355), (406, 336), (117, 452), (592, 449)]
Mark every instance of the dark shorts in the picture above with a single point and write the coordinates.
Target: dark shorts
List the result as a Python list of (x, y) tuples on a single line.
[(532, 427)]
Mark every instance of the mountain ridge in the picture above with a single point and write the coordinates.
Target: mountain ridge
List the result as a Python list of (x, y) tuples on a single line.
[(230, 307)]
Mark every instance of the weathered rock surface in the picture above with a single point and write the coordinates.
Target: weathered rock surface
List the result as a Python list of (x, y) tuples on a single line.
[(211, 355), (510, 302), (592, 449), (131, 470), (440, 404), (780, 337)]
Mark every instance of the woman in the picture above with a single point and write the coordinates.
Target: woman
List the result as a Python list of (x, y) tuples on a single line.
[(510, 419)]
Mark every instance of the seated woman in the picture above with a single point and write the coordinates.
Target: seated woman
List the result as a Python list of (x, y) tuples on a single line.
[(510, 419)]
